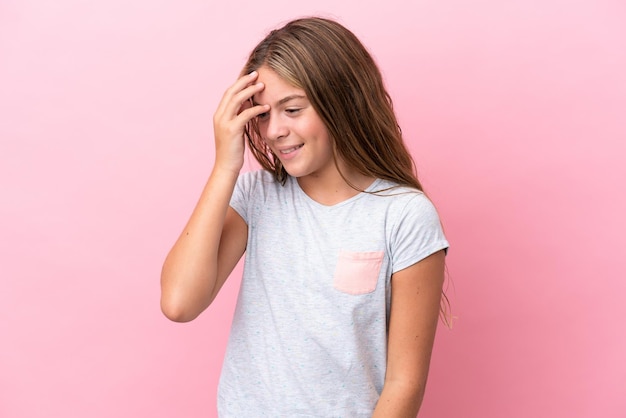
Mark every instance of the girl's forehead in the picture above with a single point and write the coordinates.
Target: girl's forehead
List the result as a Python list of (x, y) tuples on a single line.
[(276, 87)]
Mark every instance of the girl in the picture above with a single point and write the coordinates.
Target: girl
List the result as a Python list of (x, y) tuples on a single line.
[(344, 265)]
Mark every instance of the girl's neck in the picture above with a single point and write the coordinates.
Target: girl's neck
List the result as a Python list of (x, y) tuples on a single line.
[(331, 188)]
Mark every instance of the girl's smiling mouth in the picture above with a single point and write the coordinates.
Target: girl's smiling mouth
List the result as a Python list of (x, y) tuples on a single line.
[(288, 151)]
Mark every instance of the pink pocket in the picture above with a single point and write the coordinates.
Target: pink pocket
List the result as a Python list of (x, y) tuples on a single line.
[(357, 272)]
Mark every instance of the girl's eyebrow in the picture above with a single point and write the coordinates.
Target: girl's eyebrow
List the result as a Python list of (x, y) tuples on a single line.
[(288, 98), (284, 99)]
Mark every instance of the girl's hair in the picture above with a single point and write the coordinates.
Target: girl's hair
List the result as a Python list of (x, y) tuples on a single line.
[(345, 87)]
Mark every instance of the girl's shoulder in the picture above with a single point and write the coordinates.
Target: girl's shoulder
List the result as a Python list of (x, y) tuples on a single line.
[(255, 179), (386, 188), (403, 200), (262, 185), (257, 175)]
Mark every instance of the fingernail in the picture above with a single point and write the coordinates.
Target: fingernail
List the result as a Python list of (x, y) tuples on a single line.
[(253, 73)]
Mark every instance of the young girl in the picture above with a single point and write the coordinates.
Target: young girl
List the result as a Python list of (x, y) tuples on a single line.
[(344, 265)]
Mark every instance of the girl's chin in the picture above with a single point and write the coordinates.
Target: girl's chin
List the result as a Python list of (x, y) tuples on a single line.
[(295, 172)]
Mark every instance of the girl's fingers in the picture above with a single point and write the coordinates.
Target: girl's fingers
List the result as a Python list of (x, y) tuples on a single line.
[(239, 109), (250, 113), (235, 110), (242, 99), (241, 84)]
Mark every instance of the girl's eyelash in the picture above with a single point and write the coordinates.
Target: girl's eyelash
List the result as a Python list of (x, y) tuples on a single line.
[(290, 111)]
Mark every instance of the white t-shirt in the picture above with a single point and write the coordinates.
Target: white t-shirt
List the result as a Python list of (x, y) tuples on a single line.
[(309, 335)]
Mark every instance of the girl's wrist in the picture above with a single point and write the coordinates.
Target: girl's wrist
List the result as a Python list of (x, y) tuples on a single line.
[(221, 172)]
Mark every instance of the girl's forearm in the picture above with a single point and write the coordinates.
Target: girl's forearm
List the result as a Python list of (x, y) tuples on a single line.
[(189, 272), (399, 401)]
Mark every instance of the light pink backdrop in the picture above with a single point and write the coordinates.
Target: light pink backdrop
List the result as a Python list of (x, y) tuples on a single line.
[(515, 112)]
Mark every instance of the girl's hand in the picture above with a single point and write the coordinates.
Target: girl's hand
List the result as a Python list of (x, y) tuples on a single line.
[(233, 113)]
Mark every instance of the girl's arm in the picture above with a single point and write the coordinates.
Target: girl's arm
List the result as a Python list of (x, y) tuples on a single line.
[(215, 236), (415, 302)]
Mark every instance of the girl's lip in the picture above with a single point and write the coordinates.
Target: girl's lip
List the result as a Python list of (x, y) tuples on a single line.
[(289, 149), (289, 152)]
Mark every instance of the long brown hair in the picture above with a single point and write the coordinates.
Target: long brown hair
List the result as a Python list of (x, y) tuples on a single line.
[(345, 87)]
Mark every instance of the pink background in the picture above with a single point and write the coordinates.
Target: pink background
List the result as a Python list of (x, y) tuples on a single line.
[(515, 112)]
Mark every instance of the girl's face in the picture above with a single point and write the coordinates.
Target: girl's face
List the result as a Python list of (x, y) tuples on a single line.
[(293, 130)]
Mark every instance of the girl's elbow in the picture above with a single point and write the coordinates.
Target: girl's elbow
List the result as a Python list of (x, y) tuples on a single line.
[(176, 311), (183, 298)]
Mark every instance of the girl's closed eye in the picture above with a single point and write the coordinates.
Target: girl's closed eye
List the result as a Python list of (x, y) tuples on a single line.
[(293, 111)]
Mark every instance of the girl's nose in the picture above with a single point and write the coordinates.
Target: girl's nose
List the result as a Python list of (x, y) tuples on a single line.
[(276, 129)]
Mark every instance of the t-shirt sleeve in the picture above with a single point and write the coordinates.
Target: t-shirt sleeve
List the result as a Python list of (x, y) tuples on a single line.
[(417, 233), (241, 195)]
